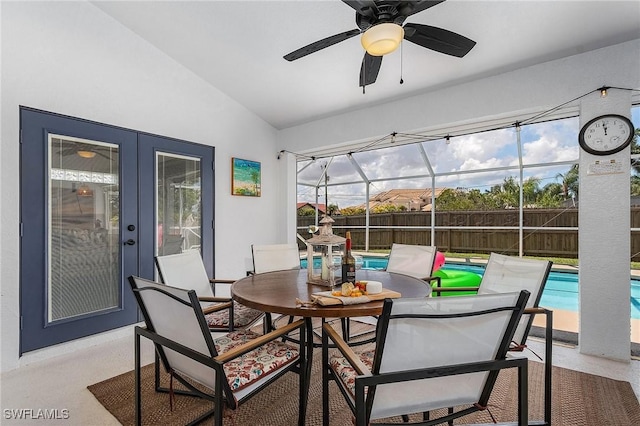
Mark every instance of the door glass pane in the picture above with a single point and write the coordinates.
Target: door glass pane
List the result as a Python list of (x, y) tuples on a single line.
[(83, 210), (179, 207)]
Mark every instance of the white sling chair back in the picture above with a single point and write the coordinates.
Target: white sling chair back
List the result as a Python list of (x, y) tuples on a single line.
[(430, 353), (275, 257), (414, 260), (233, 367), (509, 273), (186, 270)]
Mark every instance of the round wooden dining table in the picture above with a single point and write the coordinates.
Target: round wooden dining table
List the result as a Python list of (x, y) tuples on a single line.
[(280, 292)]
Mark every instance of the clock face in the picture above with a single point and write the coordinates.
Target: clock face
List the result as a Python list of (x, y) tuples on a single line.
[(606, 134)]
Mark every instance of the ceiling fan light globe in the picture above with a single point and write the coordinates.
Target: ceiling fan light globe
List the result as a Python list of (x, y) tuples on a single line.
[(382, 39), (85, 153)]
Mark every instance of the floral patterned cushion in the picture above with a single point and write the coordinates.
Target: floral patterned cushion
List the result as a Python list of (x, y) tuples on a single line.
[(254, 365), (345, 372), (242, 316)]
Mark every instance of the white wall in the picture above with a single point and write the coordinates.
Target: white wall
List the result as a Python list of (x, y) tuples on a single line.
[(605, 327), (71, 58), (604, 240), (535, 88)]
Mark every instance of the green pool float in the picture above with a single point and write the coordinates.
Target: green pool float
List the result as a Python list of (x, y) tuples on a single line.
[(455, 278)]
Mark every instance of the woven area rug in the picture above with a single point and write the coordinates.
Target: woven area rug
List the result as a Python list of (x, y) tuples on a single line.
[(579, 399)]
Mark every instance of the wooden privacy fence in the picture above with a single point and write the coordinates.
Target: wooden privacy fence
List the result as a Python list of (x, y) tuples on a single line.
[(550, 238)]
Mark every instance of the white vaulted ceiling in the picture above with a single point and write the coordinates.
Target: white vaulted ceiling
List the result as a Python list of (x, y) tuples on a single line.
[(238, 47)]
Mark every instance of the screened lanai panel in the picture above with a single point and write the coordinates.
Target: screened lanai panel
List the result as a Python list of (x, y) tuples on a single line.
[(349, 195), (382, 192), (550, 141), (477, 151), (307, 173), (551, 187), (482, 181), (488, 199), (392, 162), (339, 170)]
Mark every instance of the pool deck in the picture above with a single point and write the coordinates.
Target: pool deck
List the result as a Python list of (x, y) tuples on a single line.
[(568, 321)]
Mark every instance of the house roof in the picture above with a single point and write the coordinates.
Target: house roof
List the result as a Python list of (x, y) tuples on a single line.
[(411, 198), (321, 207)]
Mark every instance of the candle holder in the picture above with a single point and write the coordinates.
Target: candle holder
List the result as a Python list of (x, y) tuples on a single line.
[(328, 246)]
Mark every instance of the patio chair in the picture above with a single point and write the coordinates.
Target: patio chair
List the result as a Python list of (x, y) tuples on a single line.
[(510, 273), (413, 260), (186, 270), (231, 368), (275, 257), (430, 353)]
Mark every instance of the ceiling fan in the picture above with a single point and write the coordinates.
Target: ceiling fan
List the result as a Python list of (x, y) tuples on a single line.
[(381, 24)]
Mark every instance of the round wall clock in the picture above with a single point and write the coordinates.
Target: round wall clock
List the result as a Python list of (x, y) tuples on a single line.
[(606, 134)]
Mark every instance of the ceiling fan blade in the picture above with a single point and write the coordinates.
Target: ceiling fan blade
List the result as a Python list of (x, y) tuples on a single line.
[(369, 69), (438, 39), (363, 7), (408, 8), (320, 44)]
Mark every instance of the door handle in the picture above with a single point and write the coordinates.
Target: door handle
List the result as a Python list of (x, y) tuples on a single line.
[(129, 242)]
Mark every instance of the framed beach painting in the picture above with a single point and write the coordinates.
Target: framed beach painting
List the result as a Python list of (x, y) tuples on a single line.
[(245, 177)]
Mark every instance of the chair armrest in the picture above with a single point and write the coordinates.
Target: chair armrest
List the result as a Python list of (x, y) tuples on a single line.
[(214, 299), (534, 311), (441, 289), (437, 279), (214, 281), (346, 351), (258, 341), (217, 307), (221, 281)]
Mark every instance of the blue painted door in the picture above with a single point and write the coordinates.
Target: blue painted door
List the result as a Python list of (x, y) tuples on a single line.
[(93, 200)]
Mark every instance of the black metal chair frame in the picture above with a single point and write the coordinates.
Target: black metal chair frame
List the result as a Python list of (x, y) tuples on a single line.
[(222, 391), (363, 405), (548, 337)]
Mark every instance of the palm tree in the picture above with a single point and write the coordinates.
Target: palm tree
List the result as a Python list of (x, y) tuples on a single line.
[(569, 182)]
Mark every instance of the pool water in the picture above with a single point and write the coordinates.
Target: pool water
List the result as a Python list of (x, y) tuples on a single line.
[(560, 292)]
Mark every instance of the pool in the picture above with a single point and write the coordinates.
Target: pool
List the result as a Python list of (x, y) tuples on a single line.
[(560, 292)]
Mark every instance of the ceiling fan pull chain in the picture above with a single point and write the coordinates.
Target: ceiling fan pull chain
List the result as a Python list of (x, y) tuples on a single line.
[(401, 61)]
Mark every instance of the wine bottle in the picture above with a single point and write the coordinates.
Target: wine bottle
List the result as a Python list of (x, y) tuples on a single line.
[(348, 262)]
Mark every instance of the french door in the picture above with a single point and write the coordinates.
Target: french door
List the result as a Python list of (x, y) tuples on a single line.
[(98, 202)]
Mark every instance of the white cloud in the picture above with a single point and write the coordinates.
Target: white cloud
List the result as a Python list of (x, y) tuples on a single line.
[(542, 143)]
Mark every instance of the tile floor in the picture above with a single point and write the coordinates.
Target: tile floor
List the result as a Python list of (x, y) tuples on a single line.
[(61, 382)]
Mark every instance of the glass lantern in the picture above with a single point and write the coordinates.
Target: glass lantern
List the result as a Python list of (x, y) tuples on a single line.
[(330, 247)]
